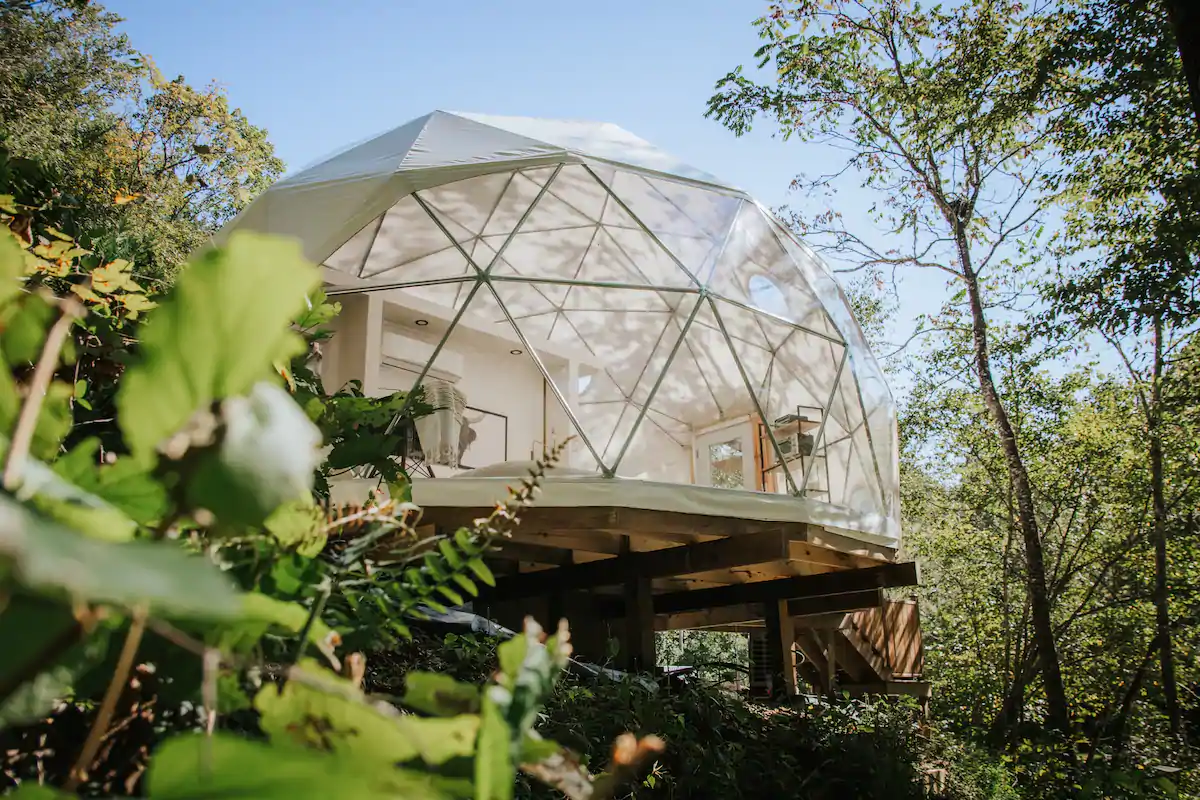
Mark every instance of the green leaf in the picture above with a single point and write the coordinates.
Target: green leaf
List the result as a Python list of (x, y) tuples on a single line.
[(467, 584), (261, 612), (450, 554), (45, 646), (317, 311), (340, 722), (25, 329), (441, 739), (54, 417), (534, 748), (495, 772), (440, 695), (266, 458), (434, 565), (124, 485), (511, 655), (462, 538), (481, 571), (454, 597), (12, 268), (299, 525), (198, 767), (49, 557), (401, 490), (215, 336)]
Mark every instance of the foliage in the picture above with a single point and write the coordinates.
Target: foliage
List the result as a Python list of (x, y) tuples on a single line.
[(359, 431), (1088, 461), (1129, 249), (714, 655), (942, 120), (148, 165), (200, 557), (719, 745)]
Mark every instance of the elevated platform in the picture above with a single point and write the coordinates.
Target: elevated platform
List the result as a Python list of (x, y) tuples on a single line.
[(623, 559)]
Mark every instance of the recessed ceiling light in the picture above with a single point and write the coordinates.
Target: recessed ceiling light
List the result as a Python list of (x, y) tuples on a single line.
[(516, 352), (422, 322)]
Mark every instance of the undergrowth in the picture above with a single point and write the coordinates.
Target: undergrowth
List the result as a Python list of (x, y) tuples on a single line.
[(722, 746)]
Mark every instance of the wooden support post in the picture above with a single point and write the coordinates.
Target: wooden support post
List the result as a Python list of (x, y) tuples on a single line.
[(639, 624), (831, 661), (781, 639), (814, 654)]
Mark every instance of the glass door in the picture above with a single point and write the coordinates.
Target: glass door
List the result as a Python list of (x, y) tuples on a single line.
[(725, 457)]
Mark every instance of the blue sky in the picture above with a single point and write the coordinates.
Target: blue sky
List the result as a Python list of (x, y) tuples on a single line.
[(319, 75)]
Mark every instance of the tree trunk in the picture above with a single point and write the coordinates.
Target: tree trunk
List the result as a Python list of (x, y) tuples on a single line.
[(1159, 535), (1057, 710), (1185, 23)]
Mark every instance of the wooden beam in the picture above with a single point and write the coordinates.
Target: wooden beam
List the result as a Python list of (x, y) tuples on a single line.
[(533, 553), (825, 556), (817, 673), (802, 610), (755, 548), (801, 587), (835, 603), (583, 541), (848, 544), (884, 576)]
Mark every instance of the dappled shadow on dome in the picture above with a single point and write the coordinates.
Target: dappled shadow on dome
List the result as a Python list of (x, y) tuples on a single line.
[(661, 321)]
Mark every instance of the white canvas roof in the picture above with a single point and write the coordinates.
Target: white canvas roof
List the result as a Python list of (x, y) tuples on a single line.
[(432, 149)]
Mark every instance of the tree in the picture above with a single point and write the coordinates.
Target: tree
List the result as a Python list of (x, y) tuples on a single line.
[(65, 70), (1131, 245), (152, 165), (940, 115)]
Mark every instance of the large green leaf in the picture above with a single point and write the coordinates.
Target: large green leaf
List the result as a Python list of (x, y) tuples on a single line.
[(440, 695), (342, 723), (266, 458), (262, 612), (46, 651), (195, 767), (341, 720), (126, 485), (299, 525), (217, 335), (494, 768), (49, 557)]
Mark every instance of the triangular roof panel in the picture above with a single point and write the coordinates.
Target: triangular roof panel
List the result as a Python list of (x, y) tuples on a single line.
[(601, 140)]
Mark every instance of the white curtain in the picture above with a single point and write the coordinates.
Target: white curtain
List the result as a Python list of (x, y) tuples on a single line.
[(439, 432)]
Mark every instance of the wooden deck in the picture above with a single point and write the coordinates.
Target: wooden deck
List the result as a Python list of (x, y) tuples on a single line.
[(626, 573)]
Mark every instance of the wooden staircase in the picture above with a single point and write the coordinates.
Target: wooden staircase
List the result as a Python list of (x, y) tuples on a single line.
[(871, 651)]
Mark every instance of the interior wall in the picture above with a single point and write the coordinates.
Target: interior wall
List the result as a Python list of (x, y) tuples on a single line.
[(489, 375)]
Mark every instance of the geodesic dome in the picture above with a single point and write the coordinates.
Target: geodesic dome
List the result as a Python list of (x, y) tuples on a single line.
[(656, 301)]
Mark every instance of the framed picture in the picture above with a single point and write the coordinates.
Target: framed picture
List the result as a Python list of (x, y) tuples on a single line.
[(484, 438)]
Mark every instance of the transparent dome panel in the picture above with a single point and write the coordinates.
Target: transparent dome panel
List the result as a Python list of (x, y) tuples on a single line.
[(690, 222), (679, 334), (616, 341)]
